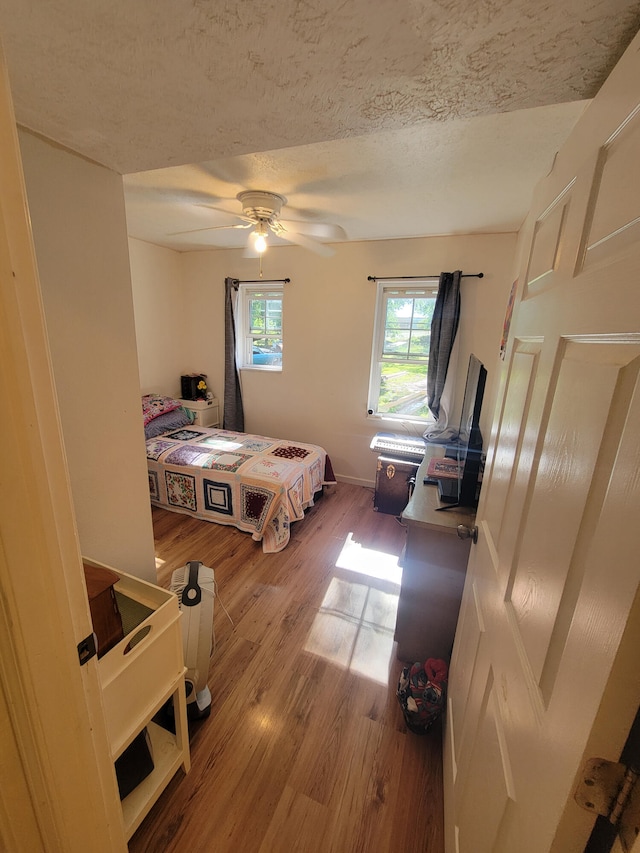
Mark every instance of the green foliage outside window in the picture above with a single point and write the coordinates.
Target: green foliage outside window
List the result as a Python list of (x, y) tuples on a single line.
[(403, 389), (407, 330), (405, 356), (266, 316)]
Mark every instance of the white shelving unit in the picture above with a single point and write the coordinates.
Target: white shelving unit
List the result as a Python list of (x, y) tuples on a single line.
[(207, 412), (138, 676)]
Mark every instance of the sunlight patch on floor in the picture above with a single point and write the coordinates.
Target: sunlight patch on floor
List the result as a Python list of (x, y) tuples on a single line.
[(366, 561), (355, 623)]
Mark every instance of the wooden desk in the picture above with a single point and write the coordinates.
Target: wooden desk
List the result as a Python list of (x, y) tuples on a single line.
[(433, 572)]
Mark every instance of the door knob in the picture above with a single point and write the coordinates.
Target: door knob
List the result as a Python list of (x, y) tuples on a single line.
[(465, 532)]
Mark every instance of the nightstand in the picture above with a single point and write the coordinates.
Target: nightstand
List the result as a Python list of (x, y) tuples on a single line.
[(207, 413)]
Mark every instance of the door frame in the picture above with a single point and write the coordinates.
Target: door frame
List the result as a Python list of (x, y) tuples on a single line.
[(58, 790)]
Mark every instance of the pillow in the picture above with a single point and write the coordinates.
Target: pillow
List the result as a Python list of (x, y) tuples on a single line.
[(169, 420), (154, 405)]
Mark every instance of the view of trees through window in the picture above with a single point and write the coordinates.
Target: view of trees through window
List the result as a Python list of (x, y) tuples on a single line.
[(404, 359)]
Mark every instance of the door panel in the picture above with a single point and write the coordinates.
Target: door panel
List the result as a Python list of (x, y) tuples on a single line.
[(559, 496), (505, 489), (514, 417), (488, 792), (615, 221), (541, 663), (461, 708), (547, 241)]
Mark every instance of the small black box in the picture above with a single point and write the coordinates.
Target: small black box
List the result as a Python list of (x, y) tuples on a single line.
[(189, 386), (135, 763)]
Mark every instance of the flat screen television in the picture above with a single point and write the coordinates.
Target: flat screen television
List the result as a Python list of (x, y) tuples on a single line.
[(468, 449)]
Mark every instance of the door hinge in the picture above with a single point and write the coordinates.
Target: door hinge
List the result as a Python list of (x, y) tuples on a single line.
[(610, 789), (87, 648)]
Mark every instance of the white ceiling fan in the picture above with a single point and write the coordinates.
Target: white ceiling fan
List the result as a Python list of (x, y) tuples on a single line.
[(261, 212)]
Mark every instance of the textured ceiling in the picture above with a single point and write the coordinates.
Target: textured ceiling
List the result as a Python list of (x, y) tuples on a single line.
[(456, 177), (394, 100)]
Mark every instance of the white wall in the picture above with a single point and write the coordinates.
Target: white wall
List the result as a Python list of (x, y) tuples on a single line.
[(79, 230), (163, 325), (321, 394)]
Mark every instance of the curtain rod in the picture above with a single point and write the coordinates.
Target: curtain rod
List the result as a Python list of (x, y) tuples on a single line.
[(420, 277), (261, 281)]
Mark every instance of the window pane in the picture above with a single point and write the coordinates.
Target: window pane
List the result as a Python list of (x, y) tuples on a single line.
[(273, 315), (403, 389), (267, 351), (260, 329), (407, 327), (402, 336), (265, 315)]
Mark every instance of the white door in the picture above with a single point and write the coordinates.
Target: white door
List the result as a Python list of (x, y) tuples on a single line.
[(545, 670)]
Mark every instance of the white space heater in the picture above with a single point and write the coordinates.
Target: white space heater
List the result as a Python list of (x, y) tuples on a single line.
[(194, 585)]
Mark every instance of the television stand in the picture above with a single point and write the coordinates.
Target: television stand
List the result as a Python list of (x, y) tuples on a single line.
[(434, 566)]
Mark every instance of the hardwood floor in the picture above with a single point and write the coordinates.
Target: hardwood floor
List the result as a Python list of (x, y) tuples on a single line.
[(305, 749)]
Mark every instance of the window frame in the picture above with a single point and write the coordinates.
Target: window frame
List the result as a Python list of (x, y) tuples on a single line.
[(387, 289), (245, 338)]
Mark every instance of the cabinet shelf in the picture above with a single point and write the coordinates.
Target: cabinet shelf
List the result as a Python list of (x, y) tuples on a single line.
[(167, 758), (138, 676)]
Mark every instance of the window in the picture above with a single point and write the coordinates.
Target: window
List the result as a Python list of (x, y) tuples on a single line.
[(259, 332), (400, 359)]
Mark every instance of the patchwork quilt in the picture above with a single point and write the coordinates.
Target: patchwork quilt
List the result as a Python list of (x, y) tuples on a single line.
[(252, 482)]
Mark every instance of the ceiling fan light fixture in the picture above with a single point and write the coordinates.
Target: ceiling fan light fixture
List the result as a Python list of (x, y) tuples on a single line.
[(260, 204), (261, 213), (259, 242), (260, 235)]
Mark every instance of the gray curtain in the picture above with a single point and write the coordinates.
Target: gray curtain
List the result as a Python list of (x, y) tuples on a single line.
[(233, 410), (444, 326)]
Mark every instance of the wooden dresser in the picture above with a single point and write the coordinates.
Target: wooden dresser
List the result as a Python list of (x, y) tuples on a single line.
[(434, 566)]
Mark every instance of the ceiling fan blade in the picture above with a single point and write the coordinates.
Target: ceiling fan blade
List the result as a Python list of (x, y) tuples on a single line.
[(306, 242), (226, 210), (210, 228), (323, 230)]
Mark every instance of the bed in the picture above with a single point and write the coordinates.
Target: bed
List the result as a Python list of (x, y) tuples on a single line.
[(255, 483)]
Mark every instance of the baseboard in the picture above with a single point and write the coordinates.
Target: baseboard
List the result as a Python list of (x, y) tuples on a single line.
[(356, 481)]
